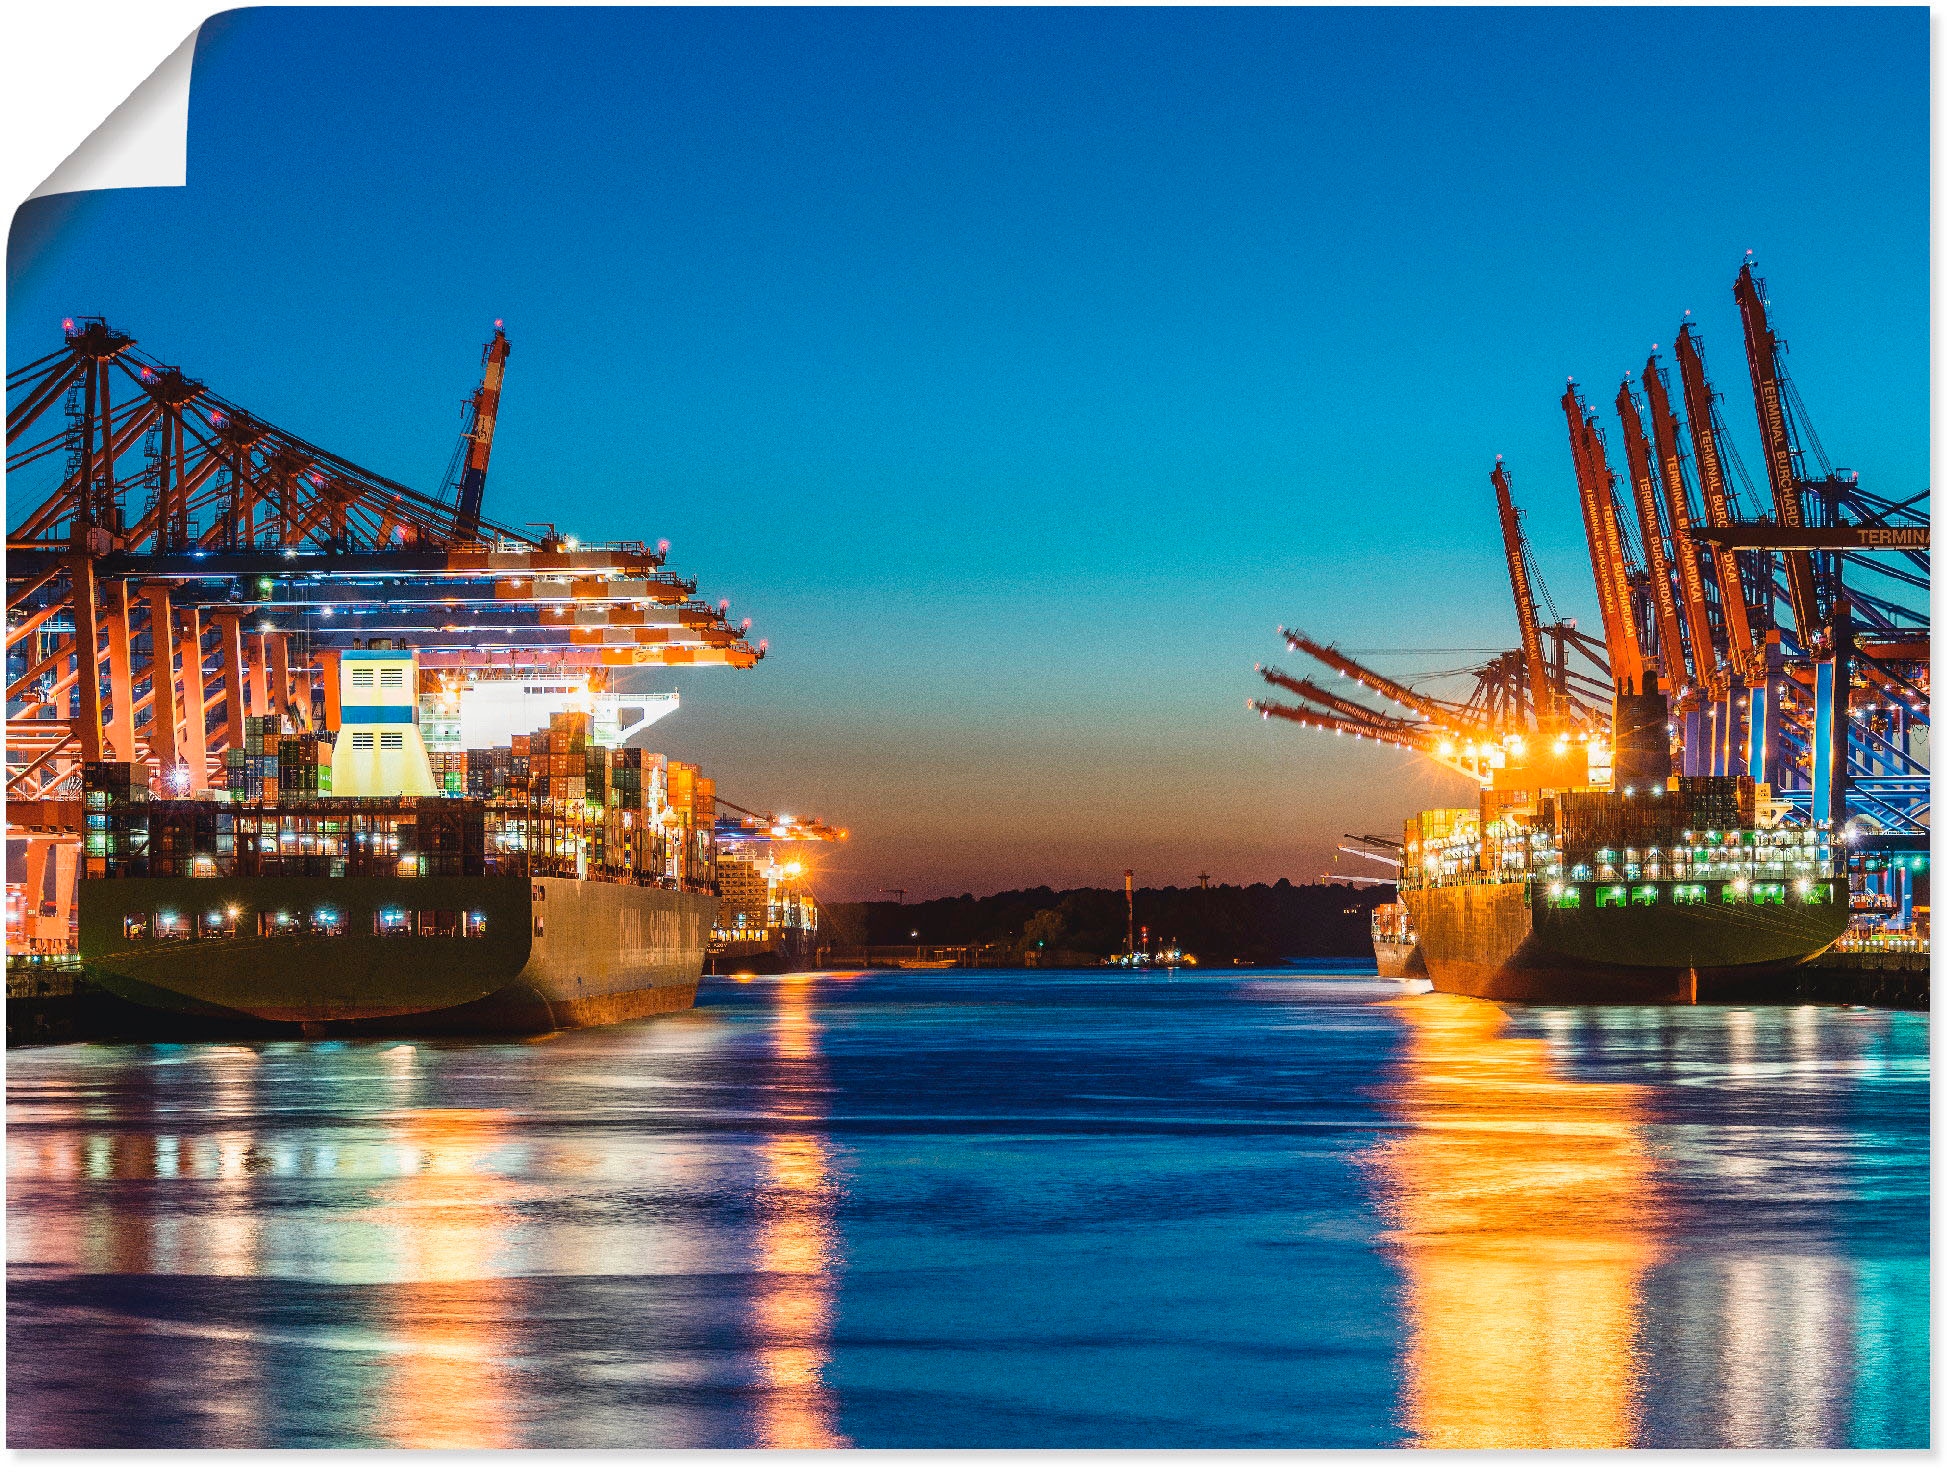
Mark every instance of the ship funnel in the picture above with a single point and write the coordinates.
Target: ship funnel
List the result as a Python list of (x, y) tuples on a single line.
[(1641, 737)]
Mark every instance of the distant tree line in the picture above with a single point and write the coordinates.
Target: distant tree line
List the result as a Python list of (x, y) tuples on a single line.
[(1228, 924)]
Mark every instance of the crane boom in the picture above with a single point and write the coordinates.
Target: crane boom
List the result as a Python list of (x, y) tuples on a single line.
[(1595, 483), (1425, 742), (1656, 558), (1700, 407), (480, 433), (1547, 706), (1780, 454), (1406, 695), (1683, 546), (1340, 706)]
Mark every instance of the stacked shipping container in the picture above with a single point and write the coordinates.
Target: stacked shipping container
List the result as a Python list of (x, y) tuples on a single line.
[(548, 804)]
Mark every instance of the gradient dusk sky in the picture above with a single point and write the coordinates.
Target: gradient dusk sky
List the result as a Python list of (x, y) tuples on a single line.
[(1019, 371)]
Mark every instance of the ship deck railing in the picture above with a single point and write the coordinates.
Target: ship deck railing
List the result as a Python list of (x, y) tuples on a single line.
[(1883, 943)]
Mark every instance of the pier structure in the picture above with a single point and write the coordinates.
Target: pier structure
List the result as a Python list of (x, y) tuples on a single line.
[(1778, 629), (180, 565)]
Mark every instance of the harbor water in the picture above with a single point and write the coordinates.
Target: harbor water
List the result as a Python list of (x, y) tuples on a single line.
[(987, 1209)]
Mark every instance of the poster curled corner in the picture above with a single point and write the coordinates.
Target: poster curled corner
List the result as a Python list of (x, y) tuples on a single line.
[(144, 143)]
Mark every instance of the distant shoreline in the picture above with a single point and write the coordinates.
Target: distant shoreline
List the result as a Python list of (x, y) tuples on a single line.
[(1223, 925)]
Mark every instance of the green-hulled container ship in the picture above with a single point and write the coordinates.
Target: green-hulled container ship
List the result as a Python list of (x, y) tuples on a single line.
[(1655, 888), (572, 885)]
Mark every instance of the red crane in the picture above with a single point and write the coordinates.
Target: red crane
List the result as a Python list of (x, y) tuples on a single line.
[(1424, 706), (1731, 570), (1548, 702), (1781, 453), (477, 442), (1370, 722), (1663, 594), (183, 565), (1684, 549), (1596, 484)]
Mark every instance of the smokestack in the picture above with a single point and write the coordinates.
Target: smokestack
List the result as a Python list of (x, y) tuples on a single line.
[(1641, 737)]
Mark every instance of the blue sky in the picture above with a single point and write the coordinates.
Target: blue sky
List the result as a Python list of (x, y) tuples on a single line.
[(1019, 371)]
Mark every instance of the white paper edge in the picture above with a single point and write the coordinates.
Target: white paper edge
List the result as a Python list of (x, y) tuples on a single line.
[(144, 143)]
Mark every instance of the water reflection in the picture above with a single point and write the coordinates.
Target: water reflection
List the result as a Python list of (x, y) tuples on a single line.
[(1784, 1316), (993, 1210), (451, 1307), (1524, 1210), (1731, 1255), (796, 1247)]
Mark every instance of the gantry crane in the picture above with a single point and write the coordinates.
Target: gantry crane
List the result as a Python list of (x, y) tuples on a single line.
[(1667, 617), (1608, 556), (1702, 623), (1548, 703), (1816, 683), (1736, 574), (1473, 736), (1783, 459), (184, 563), (477, 441)]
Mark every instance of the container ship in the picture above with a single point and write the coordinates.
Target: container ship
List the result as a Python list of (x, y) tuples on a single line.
[(345, 885), (1655, 888), (767, 915), (766, 920)]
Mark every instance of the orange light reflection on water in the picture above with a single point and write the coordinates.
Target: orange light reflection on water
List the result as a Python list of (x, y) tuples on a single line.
[(1525, 1209), (448, 1312), (796, 1249)]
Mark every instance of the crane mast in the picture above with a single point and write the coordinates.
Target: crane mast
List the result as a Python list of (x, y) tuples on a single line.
[(479, 436), (1540, 685), (1595, 483), (1780, 453), (1656, 558), (1683, 546), (1700, 407)]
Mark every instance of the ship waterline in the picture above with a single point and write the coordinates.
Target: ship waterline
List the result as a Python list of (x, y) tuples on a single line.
[(1637, 943), (482, 953)]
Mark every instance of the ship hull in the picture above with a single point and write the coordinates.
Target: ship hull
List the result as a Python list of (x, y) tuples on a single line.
[(788, 949), (529, 955), (1399, 959), (1505, 942)]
